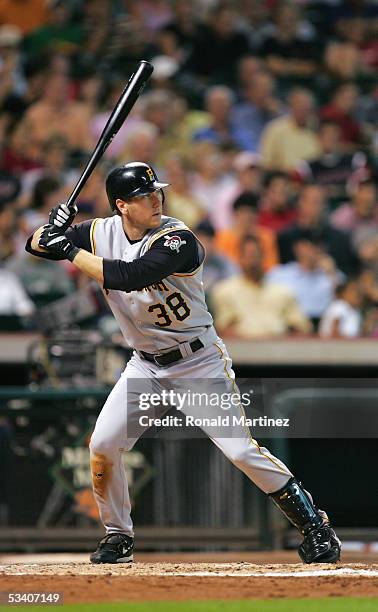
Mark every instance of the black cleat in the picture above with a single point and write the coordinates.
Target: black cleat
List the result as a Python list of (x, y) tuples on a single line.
[(320, 545), (114, 548)]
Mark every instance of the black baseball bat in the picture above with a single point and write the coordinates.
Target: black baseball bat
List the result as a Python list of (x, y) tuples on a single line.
[(121, 110)]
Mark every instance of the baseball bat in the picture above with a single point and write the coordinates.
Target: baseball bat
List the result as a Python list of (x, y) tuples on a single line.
[(121, 110)]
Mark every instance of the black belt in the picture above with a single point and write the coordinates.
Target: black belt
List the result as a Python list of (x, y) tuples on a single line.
[(163, 359)]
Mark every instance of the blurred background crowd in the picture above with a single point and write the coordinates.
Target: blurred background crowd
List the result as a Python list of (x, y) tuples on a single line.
[(261, 114)]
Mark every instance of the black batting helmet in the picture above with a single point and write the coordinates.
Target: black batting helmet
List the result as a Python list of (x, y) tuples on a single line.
[(133, 179)]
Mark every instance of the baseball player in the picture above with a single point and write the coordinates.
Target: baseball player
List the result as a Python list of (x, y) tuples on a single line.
[(150, 268)]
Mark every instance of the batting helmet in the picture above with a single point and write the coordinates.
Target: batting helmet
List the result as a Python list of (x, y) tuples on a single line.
[(133, 179)]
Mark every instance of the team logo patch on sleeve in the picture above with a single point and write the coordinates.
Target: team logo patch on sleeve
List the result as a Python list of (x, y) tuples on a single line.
[(174, 242)]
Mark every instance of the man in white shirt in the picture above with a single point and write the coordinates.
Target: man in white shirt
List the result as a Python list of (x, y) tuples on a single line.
[(343, 318), (13, 298)]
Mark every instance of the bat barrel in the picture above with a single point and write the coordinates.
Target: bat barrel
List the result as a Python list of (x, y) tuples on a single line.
[(121, 110)]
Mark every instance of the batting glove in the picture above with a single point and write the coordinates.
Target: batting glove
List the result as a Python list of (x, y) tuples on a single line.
[(55, 242), (62, 216)]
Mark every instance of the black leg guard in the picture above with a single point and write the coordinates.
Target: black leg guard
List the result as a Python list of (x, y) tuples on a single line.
[(320, 542)]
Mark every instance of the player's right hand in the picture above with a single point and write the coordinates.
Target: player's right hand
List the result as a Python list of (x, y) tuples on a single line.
[(61, 216)]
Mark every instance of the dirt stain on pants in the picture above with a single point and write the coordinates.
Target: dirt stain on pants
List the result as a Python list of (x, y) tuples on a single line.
[(101, 469)]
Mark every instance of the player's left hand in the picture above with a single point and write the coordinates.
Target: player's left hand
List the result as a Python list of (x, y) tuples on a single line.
[(62, 216), (54, 241)]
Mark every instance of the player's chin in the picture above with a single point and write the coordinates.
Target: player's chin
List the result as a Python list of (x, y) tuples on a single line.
[(155, 220)]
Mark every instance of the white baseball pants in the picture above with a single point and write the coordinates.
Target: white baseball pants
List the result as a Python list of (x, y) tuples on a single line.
[(112, 434)]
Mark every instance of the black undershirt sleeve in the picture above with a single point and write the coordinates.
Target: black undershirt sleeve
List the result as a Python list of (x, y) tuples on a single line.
[(157, 263), (78, 234)]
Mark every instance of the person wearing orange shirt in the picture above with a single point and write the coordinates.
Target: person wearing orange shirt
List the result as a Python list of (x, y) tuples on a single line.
[(53, 114), (25, 14), (245, 209)]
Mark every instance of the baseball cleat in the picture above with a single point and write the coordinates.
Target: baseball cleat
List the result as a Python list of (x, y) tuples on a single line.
[(114, 548), (320, 545)]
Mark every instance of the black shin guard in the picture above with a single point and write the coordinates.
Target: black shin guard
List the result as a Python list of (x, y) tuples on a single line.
[(320, 543), (297, 506)]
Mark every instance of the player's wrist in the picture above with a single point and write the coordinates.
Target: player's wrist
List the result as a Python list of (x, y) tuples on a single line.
[(71, 254)]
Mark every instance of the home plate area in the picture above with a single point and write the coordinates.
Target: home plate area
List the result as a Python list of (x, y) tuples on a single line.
[(146, 580)]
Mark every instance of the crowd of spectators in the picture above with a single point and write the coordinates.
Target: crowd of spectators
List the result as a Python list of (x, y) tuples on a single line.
[(262, 115)]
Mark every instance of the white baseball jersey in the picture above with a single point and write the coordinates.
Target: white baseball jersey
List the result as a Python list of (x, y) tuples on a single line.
[(163, 314)]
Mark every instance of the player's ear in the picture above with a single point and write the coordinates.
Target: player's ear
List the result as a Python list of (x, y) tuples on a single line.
[(121, 205)]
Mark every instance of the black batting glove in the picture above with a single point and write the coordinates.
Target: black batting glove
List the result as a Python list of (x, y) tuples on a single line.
[(54, 241), (62, 216)]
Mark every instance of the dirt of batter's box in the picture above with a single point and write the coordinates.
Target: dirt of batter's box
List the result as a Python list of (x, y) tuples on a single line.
[(83, 582)]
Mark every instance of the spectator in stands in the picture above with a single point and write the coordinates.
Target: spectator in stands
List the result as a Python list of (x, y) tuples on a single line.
[(368, 285), (228, 241), (345, 11), (7, 229), (209, 181), (9, 188), (97, 26), (43, 280), (90, 91), (216, 267), (220, 129), (159, 107), (367, 113), (26, 15), (333, 168), (55, 165), (341, 60), (312, 277), (246, 306), (141, 143), (368, 282), (217, 48), (290, 50), (355, 53), (177, 38), (153, 14), (258, 107), (275, 211), (255, 19), (368, 253), (180, 201), (92, 201), (343, 318), (165, 72), (129, 42), (13, 299), (17, 102), (58, 34), (341, 109), (101, 116), (360, 216), (53, 114), (247, 176), (12, 81), (311, 217), (47, 192), (287, 140), (247, 68)]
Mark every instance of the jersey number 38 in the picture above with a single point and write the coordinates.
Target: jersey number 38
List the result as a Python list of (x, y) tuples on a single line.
[(176, 305)]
